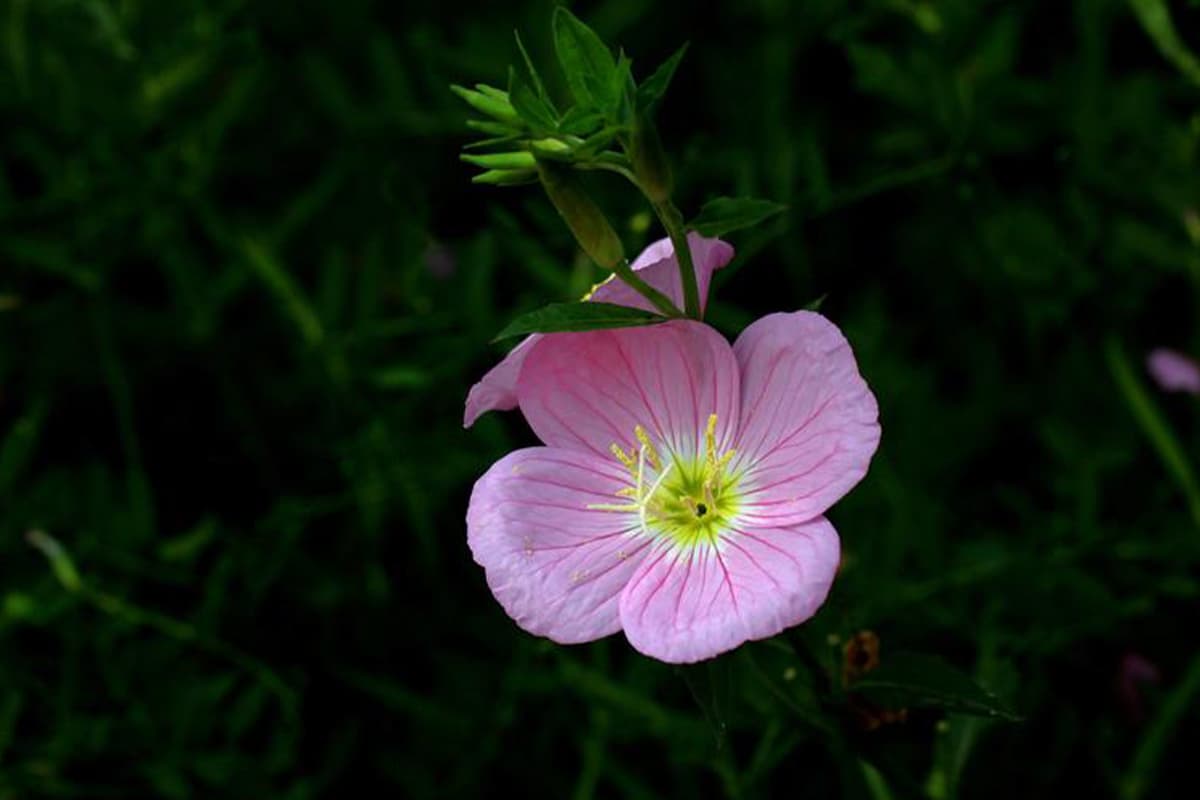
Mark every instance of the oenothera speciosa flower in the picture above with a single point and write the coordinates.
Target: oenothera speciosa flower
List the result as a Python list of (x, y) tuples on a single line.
[(680, 493)]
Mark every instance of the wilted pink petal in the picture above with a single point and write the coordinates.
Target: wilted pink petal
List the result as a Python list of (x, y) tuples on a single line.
[(686, 604), (497, 390), (644, 484), (809, 423), (1173, 371), (593, 390), (556, 567)]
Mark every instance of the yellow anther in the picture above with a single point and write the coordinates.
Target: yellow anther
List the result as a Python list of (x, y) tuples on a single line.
[(710, 439), (724, 460), (628, 491), (651, 453), (628, 459)]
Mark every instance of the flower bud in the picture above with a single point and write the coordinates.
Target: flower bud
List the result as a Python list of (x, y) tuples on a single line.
[(585, 219), (506, 177), (494, 103), (520, 159)]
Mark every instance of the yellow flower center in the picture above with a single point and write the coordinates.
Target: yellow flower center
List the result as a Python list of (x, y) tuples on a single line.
[(690, 500)]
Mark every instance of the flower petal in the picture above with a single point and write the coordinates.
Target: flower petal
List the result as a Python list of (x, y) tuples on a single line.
[(809, 423), (659, 268), (688, 604), (497, 390), (1173, 371), (591, 390), (555, 566)]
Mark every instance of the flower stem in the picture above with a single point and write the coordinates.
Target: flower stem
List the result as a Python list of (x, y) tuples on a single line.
[(672, 220)]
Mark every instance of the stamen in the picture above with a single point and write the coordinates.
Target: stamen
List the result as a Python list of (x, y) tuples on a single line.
[(625, 458), (651, 453), (710, 440)]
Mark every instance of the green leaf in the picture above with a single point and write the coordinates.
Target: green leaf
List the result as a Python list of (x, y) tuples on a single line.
[(535, 111), (626, 92), (654, 87), (559, 317), (538, 86), (914, 680), (586, 62), (578, 121), (725, 214), (1156, 20)]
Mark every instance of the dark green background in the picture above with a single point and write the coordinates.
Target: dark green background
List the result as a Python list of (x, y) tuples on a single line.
[(245, 284)]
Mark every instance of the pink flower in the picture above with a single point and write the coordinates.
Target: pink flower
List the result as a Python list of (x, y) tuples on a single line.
[(680, 493), (658, 267), (1174, 372)]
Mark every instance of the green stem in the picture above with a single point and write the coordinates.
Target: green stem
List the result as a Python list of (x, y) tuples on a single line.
[(672, 220)]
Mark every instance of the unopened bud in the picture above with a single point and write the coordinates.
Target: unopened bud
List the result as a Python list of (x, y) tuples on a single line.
[(552, 148), (506, 177), (520, 159), (494, 103), (585, 219)]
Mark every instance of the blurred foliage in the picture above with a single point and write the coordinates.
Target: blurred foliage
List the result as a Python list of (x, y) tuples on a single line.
[(245, 283)]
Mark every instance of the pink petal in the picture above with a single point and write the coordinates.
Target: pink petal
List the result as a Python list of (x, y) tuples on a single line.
[(556, 567), (1173, 371), (591, 390), (809, 423), (498, 388), (659, 268), (688, 604)]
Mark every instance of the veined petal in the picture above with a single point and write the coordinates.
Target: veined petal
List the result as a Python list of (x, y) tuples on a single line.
[(658, 266), (688, 604), (592, 390), (556, 566), (809, 422), (497, 390)]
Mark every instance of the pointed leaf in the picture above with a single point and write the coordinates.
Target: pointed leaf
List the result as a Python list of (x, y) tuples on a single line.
[(578, 121), (725, 214), (654, 87), (559, 317), (626, 92), (586, 62), (915, 680), (534, 111), (534, 77)]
